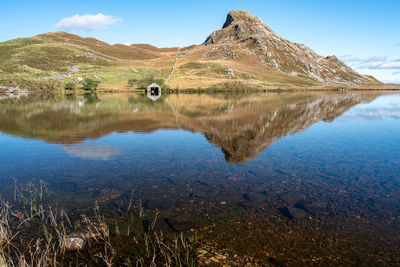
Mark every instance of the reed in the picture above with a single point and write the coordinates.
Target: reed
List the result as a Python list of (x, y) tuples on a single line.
[(32, 233)]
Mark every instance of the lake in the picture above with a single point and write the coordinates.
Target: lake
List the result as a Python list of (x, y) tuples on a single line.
[(286, 178)]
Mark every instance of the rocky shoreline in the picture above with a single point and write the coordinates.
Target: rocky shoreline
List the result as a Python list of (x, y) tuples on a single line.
[(7, 92)]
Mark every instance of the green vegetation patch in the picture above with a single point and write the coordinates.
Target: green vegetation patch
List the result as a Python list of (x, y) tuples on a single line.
[(55, 57)]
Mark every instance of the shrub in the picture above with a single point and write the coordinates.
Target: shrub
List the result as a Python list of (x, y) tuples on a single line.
[(90, 85), (144, 82), (132, 82), (70, 86)]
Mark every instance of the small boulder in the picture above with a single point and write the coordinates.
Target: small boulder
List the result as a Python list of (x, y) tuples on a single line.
[(316, 208), (293, 213), (75, 241), (179, 223), (297, 213), (292, 197), (72, 70), (3, 262), (108, 194), (230, 72)]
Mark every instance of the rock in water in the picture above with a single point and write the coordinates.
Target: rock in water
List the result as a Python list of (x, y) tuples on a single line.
[(75, 241), (293, 213), (297, 213), (3, 262)]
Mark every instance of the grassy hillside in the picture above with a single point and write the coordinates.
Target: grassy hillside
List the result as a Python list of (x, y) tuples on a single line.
[(117, 51), (37, 63), (51, 61)]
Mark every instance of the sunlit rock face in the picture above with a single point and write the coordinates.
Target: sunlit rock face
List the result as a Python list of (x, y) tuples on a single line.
[(244, 33), (241, 125)]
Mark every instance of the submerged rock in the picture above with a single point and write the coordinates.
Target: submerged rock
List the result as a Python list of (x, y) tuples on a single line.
[(3, 262), (208, 255), (293, 213), (108, 194), (75, 241), (316, 207), (257, 197), (161, 203), (255, 200), (179, 223), (292, 197), (297, 213)]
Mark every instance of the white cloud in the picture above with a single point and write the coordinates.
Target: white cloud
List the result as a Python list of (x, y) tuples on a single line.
[(87, 22), (381, 67), (376, 62)]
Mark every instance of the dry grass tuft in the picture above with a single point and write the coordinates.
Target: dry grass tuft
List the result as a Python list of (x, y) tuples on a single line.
[(33, 234)]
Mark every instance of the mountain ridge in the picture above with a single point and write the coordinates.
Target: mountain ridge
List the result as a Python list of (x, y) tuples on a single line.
[(244, 54), (249, 33)]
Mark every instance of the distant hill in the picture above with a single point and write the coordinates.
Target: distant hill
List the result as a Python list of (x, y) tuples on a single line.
[(244, 54), (155, 49), (118, 51)]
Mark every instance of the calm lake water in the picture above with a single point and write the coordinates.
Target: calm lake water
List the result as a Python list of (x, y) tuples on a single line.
[(300, 177)]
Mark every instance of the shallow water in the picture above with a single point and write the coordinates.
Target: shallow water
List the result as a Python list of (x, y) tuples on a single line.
[(299, 177)]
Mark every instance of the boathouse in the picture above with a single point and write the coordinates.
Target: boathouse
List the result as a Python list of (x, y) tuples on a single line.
[(154, 91)]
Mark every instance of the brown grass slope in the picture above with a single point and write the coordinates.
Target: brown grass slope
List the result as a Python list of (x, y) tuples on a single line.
[(154, 48), (118, 51)]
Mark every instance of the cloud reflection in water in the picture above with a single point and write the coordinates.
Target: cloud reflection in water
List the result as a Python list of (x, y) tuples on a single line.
[(92, 151)]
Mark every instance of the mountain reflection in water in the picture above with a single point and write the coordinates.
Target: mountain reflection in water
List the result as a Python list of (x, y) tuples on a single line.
[(241, 125)]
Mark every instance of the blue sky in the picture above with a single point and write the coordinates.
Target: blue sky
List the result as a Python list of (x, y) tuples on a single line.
[(365, 34)]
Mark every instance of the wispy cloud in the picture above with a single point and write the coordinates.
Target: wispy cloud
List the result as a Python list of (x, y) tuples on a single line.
[(87, 22), (375, 62)]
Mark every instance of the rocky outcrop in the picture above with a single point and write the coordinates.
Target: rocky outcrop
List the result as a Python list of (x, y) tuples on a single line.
[(247, 34)]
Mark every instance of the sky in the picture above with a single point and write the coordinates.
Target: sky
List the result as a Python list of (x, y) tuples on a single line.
[(364, 34)]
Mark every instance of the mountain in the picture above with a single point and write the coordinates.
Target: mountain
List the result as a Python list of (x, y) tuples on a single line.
[(244, 54), (245, 35)]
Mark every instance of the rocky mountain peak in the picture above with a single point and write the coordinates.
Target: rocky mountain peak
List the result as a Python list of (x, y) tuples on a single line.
[(240, 25), (238, 16), (244, 33)]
